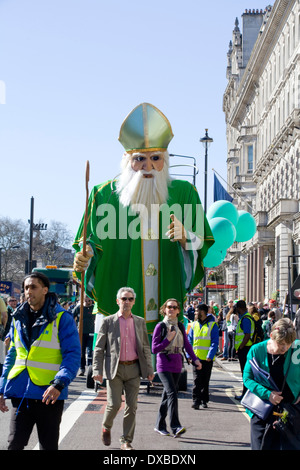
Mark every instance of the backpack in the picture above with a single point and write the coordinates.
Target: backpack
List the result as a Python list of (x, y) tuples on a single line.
[(258, 334), (268, 328)]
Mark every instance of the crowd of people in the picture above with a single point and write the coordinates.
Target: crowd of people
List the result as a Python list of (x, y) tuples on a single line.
[(122, 354), (266, 343), (265, 314)]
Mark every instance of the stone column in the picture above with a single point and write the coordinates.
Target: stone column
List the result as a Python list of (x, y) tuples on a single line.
[(260, 275), (284, 249)]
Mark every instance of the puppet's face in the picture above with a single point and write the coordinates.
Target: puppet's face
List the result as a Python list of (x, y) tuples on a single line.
[(144, 178), (147, 161)]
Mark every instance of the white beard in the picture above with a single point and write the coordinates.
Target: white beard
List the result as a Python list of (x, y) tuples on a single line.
[(134, 189)]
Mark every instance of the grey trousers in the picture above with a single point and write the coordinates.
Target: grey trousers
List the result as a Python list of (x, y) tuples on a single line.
[(127, 381)]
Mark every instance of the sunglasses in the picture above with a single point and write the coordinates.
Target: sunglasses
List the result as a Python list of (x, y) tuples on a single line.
[(172, 306), (127, 298)]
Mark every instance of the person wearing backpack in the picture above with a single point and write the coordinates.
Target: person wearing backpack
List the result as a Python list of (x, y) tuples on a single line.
[(267, 324), (232, 321), (168, 343), (243, 334), (258, 334)]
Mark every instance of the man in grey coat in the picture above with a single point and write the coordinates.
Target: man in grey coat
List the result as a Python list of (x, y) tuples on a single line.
[(122, 354)]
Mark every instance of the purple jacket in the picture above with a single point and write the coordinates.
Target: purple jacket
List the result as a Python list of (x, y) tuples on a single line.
[(172, 363)]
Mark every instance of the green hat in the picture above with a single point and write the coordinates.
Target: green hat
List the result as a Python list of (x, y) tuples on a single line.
[(145, 129)]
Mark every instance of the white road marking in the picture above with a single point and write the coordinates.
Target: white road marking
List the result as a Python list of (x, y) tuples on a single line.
[(72, 413)]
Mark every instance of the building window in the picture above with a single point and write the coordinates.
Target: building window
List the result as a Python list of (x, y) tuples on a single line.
[(250, 159)]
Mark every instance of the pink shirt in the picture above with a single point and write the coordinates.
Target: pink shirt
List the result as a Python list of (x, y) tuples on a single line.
[(128, 339)]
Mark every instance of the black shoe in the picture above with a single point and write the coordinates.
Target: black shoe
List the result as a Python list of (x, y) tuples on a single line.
[(195, 406), (204, 405), (238, 397)]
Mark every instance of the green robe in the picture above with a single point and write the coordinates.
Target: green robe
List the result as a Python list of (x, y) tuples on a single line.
[(119, 251)]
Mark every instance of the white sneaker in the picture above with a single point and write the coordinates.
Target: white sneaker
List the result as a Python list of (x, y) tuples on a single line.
[(162, 432), (179, 431)]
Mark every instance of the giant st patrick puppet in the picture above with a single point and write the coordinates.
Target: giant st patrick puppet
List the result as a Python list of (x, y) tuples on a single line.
[(145, 230)]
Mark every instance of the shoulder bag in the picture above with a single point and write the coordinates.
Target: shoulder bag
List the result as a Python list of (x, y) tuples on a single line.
[(261, 408)]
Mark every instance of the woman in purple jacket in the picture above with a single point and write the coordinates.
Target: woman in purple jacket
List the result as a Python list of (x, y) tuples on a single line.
[(168, 341)]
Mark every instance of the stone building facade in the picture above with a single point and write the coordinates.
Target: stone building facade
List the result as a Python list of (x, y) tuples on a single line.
[(262, 111)]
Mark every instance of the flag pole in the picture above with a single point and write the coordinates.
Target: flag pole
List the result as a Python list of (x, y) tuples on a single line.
[(87, 177), (238, 195)]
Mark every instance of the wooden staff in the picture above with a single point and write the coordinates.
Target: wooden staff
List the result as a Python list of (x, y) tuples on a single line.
[(87, 177)]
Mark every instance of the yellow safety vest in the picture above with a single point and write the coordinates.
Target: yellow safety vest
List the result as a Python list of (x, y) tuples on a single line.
[(44, 357), (239, 333), (202, 339)]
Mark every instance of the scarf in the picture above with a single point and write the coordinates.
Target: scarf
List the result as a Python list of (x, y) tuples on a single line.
[(176, 345)]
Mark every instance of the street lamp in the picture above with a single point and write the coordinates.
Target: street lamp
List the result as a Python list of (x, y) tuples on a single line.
[(29, 263), (206, 141)]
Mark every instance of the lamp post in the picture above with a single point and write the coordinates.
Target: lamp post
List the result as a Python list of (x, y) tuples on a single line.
[(206, 141), (29, 264)]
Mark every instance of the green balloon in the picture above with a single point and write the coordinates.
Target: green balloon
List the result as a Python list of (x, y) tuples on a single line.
[(223, 232), (223, 209), (213, 258), (246, 227)]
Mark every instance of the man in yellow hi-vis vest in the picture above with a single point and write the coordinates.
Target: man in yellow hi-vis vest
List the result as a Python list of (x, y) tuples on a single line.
[(204, 337), (43, 359), (243, 334)]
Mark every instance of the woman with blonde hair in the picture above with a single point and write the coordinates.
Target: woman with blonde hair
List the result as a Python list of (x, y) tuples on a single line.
[(232, 321), (279, 356)]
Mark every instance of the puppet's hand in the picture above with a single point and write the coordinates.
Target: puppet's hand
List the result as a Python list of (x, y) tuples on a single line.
[(81, 262), (177, 231)]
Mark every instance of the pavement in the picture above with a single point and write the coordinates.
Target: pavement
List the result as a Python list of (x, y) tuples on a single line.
[(229, 366), (222, 426)]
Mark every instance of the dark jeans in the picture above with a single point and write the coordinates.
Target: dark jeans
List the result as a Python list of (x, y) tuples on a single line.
[(169, 401), (86, 348), (200, 391), (242, 355), (231, 348), (23, 417)]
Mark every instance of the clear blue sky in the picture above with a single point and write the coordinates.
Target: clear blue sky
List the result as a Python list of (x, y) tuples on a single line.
[(73, 70)]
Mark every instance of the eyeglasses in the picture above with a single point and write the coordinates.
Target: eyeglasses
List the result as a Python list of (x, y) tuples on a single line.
[(172, 306), (127, 298)]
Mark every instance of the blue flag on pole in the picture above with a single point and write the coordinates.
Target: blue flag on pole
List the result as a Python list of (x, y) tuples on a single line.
[(220, 193)]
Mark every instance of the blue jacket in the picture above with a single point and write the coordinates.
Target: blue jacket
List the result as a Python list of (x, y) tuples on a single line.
[(214, 336), (21, 386)]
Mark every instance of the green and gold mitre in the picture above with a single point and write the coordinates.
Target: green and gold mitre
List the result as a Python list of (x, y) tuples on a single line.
[(145, 129)]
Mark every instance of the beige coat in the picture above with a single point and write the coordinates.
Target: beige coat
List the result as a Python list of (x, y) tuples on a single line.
[(107, 348)]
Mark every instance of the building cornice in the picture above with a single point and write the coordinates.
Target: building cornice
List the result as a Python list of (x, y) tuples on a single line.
[(262, 49)]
